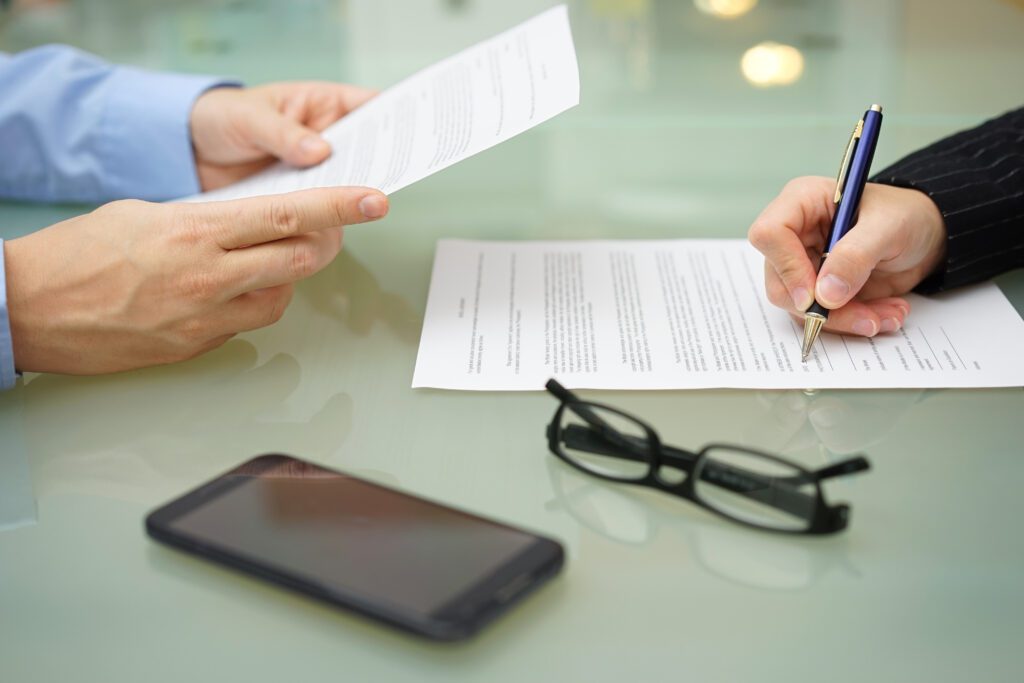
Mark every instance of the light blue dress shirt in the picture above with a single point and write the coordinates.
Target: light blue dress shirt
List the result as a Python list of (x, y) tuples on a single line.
[(74, 128)]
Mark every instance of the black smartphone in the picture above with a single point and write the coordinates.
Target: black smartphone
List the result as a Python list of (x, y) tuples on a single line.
[(406, 561)]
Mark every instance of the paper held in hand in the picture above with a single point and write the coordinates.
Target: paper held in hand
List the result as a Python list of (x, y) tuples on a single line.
[(680, 314), (441, 115)]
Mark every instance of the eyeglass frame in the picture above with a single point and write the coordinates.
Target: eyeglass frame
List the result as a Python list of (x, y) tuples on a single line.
[(827, 519)]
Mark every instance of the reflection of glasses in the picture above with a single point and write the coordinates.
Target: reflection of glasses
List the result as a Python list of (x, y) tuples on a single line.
[(618, 515), (743, 485)]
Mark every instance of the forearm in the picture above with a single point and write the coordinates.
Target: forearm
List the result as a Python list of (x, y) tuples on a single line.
[(976, 178), (74, 128)]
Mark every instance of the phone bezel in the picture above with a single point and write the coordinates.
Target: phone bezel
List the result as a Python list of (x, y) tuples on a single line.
[(457, 619)]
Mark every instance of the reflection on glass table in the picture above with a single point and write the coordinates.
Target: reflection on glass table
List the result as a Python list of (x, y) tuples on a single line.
[(746, 486), (829, 425), (17, 502), (728, 552), (349, 291), (220, 407)]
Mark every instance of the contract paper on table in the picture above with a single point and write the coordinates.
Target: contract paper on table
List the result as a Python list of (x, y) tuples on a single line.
[(680, 314), (447, 112)]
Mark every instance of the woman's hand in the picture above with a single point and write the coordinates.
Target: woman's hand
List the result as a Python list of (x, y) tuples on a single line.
[(899, 239)]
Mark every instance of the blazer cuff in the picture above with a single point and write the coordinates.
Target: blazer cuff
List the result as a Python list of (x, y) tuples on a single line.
[(974, 178)]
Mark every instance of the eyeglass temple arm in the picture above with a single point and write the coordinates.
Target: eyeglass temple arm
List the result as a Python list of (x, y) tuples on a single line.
[(560, 392), (853, 465), (581, 438), (738, 480), (566, 396)]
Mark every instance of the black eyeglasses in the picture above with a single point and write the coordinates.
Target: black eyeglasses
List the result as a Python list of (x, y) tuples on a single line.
[(746, 486)]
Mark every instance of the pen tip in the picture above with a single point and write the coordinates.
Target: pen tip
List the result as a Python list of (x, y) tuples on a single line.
[(812, 327)]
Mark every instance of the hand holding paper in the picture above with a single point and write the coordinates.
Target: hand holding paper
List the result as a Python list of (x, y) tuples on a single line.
[(447, 112)]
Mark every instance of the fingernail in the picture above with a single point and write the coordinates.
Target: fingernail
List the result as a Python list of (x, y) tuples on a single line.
[(865, 328), (833, 290), (801, 298), (373, 206), (312, 145), (890, 324)]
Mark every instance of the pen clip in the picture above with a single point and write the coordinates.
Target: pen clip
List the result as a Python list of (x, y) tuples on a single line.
[(844, 167)]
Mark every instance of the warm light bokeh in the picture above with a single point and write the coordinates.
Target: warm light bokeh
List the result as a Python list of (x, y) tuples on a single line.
[(769, 64), (725, 9)]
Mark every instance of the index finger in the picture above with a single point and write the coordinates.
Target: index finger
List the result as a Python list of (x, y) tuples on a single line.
[(354, 96), (787, 228), (255, 220)]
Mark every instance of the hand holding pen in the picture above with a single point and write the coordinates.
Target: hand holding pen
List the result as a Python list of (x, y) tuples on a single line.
[(898, 241), (853, 175)]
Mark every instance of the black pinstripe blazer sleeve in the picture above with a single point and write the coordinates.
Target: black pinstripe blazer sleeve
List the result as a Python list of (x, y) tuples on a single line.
[(976, 178)]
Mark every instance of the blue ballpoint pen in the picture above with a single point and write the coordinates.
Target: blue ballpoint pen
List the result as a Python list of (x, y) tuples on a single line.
[(853, 173)]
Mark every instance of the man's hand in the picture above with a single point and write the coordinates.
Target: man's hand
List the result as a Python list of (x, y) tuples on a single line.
[(134, 284), (238, 131), (899, 239)]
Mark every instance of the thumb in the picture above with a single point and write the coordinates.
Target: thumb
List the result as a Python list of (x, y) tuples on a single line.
[(849, 265), (286, 138)]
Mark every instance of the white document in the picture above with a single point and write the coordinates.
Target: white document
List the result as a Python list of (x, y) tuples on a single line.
[(447, 112), (680, 314)]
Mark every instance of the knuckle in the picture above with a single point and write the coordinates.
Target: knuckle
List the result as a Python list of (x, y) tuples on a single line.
[(120, 209), (284, 219), (277, 307), (789, 270), (811, 185), (850, 259), (303, 261), (777, 294), (199, 286), (795, 184), (192, 230), (340, 210), (127, 205), (760, 235)]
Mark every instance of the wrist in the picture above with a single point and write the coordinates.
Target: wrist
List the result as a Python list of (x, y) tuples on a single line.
[(207, 117), (25, 310), (930, 231), (208, 133), (14, 257)]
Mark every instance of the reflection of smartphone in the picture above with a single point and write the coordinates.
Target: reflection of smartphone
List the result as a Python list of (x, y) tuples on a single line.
[(415, 564)]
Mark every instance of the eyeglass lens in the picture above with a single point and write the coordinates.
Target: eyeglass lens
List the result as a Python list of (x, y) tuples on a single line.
[(604, 442), (756, 489)]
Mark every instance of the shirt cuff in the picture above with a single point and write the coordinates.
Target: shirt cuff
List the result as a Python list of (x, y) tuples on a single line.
[(8, 376), (146, 140)]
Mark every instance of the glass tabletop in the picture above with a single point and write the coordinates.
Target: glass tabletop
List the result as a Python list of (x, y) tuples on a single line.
[(680, 133)]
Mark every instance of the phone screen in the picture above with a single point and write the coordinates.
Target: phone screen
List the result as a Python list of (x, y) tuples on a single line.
[(351, 535)]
